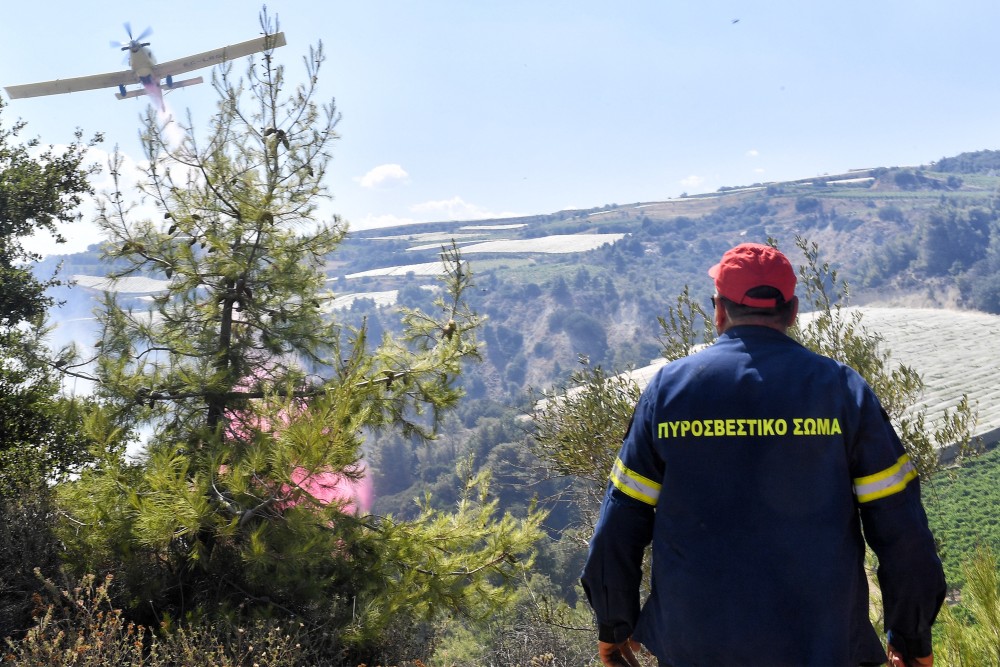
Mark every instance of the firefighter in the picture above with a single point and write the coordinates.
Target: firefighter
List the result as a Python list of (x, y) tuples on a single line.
[(758, 469)]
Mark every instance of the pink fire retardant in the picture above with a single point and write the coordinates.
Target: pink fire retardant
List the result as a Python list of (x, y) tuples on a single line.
[(354, 493)]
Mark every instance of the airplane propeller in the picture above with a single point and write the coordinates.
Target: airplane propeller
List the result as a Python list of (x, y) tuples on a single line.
[(134, 42)]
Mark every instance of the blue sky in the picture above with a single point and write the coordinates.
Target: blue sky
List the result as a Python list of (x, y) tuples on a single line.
[(466, 109)]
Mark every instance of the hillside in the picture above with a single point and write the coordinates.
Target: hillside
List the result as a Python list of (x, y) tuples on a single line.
[(593, 282), (912, 237)]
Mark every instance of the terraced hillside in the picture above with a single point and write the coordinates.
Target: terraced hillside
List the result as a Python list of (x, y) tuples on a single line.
[(955, 352)]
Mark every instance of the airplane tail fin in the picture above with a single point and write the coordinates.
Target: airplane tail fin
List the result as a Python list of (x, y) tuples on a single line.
[(164, 87), (184, 83), (131, 93)]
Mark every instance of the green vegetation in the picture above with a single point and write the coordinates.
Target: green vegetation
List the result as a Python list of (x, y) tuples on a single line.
[(39, 189), (969, 634), (41, 439), (963, 506), (247, 508), (977, 162)]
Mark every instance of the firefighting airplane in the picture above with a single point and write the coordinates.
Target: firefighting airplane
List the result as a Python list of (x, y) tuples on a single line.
[(155, 78)]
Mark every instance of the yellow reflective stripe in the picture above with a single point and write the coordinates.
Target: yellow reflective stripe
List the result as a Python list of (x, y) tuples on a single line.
[(891, 480), (633, 484)]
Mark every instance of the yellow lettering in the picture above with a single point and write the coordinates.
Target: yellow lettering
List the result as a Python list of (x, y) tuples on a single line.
[(803, 426)]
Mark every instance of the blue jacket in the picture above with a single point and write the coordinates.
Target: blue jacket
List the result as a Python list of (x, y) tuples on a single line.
[(752, 467)]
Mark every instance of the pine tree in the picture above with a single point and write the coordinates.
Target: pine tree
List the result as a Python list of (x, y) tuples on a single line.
[(255, 402)]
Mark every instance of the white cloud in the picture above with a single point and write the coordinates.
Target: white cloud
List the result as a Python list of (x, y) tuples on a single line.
[(752, 152), (692, 181), (129, 173), (384, 175)]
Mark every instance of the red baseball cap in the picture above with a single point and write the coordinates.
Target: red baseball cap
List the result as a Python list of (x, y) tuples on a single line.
[(751, 265)]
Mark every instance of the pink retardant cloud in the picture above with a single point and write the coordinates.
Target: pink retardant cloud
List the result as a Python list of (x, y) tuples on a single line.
[(353, 495), (325, 486)]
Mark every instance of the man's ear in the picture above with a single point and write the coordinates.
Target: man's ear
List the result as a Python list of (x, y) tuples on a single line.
[(721, 318), (794, 312)]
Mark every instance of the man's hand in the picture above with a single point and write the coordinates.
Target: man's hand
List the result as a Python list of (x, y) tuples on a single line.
[(896, 659), (618, 655)]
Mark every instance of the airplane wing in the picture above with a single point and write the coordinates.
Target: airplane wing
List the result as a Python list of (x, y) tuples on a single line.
[(108, 80), (216, 56)]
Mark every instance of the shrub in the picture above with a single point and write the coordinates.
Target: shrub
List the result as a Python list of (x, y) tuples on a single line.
[(970, 633), (81, 626), (891, 213), (807, 205), (26, 543)]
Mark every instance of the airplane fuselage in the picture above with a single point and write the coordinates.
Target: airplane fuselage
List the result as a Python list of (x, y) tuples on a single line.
[(141, 60)]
